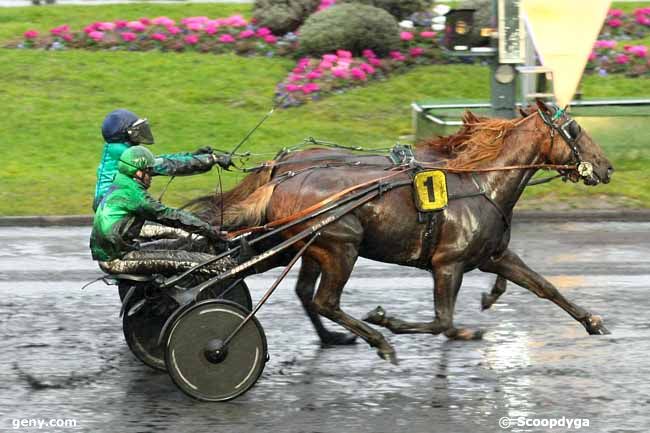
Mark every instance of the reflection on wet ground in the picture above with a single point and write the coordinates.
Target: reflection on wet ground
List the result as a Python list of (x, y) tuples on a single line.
[(64, 357)]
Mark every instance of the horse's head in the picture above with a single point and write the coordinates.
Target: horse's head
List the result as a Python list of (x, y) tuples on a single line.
[(569, 144)]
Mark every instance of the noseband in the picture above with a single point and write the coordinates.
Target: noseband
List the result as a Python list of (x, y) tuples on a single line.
[(584, 168)]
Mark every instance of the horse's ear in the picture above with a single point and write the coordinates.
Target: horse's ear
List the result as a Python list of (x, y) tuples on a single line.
[(542, 106), (522, 112)]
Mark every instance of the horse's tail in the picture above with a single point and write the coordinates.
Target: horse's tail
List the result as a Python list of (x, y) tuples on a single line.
[(251, 211), (233, 201)]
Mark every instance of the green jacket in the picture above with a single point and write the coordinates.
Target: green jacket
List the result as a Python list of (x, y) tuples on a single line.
[(172, 164), (123, 211)]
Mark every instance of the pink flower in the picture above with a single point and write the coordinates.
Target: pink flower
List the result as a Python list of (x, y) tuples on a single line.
[(396, 55), (96, 35), (325, 64), (637, 50), (314, 75), (592, 56), (67, 37), (294, 78), (428, 35), (643, 20), (406, 36), (120, 24), (191, 39), (344, 54), (330, 57), (159, 37), (621, 59), (368, 54), (211, 30), (609, 44), (106, 26), (56, 31), (30, 34), (293, 88), (303, 62), (226, 39), (194, 26), (416, 51), (163, 21), (270, 39), (89, 28), (358, 74), (235, 21), (128, 36), (245, 34), (136, 26), (173, 30), (339, 72), (614, 22), (310, 88), (145, 21), (263, 31), (617, 13), (374, 61), (367, 68)]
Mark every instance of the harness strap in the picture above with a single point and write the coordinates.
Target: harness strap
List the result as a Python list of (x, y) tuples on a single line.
[(304, 212)]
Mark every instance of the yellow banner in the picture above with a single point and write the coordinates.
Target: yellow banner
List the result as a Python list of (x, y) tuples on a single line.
[(564, 32)]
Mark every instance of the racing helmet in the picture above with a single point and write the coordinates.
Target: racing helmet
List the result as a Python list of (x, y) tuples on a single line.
[(135, 158), (121, 126)]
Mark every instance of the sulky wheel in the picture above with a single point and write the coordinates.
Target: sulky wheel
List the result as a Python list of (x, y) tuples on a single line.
[(235, 291), (142, 323), (198, 363)]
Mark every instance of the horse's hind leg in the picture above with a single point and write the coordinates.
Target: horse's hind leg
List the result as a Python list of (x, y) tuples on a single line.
[(307, 277), (510, 266), (447, 282), (499, 288), (336, 261)]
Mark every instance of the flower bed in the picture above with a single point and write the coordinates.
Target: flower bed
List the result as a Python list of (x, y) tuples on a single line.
[(202, 34), (313, 78)]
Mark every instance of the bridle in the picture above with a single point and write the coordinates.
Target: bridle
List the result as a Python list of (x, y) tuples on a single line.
[(584, 168)]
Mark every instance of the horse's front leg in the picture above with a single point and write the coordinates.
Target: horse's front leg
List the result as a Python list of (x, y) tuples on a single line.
[(510, 266), (447, 282)]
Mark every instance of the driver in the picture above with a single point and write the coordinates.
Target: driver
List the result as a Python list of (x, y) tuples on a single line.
[(122, 129), (121, 213)]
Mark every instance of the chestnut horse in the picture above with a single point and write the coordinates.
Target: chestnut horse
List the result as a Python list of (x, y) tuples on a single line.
[(498, 156)]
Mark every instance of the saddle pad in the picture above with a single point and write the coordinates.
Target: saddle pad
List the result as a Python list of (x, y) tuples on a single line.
[(430, 190)]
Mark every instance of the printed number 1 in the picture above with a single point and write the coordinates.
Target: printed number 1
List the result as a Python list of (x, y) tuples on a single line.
[(430, 191)]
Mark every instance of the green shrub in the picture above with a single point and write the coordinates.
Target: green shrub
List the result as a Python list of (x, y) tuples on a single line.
[(352, 27), (400, 9), (283, 16)]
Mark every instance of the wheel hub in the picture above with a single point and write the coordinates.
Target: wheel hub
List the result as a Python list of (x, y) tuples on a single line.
[(214, 351)]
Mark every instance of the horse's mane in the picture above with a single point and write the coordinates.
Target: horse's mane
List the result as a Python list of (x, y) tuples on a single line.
[(479, 140)]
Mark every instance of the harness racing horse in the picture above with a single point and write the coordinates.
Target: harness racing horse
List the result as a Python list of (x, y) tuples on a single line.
[(287, 163), (498, 157)]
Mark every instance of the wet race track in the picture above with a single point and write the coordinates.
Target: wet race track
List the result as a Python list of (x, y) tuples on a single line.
[(63, 355)]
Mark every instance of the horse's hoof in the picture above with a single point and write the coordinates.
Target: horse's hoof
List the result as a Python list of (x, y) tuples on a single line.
[(463, 334), (486, 301), (338, 339), (376, 316), (388, 355), (594, 325)]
